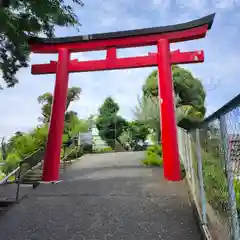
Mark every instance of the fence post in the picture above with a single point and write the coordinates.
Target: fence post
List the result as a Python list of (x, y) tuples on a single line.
[(191, 165), (230, 180), (185, 153), (200, 176), (18, 182)]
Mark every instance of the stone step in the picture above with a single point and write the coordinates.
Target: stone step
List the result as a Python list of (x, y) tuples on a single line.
[(4, 202), (33, 173), (30, 181), (36, 175), (32, 176)]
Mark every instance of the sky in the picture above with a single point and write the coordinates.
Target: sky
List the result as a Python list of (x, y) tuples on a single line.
[(219, 73)]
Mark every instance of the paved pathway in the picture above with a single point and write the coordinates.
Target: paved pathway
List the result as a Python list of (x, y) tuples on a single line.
[(105, 196)]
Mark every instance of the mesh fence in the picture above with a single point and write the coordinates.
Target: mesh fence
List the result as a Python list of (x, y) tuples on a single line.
[(211, 156)]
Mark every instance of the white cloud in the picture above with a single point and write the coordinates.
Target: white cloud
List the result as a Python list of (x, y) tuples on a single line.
[(162, 3), (193, 4), (223, 4)]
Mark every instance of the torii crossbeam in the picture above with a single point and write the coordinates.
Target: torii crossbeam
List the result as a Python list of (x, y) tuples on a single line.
[(163, 59)]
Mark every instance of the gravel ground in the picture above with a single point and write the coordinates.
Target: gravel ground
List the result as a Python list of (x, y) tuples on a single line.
[(104, 196)]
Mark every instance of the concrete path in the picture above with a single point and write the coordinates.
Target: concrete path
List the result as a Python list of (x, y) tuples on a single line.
[(105, 196)]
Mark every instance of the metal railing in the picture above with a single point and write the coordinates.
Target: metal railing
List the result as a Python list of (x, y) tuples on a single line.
[(31, 162), (11, 174), (210, 152), (26, 165)]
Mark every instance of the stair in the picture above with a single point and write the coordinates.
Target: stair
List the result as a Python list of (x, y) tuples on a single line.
[(35, 176), (32, 176)]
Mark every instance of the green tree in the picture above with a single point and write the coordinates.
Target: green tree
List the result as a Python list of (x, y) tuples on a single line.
[(3, 149), (136, 131), (109, 124), (23, 144), (189, 99), (40, 134), (74, 125), (46, 101), (29, 18), (147, 111)]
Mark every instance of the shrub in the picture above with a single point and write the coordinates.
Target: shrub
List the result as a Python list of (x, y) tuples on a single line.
[(103, 150), (107, 149), (153, 156), (12, 161), (153, 160), (155, 149)]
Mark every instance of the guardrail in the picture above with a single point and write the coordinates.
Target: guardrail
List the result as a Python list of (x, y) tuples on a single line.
[(5, 179), (32, 161), (210, 152)]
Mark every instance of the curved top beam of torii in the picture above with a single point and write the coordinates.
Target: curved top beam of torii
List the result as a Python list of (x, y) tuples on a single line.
[(123, 39)]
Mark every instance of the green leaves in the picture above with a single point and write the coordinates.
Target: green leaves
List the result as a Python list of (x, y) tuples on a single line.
[(73, 95), (23, 144), (137, 131), (154, 156), (109, 124), (13, 159), (109, 107), (46, 101), (189, 99), (23, 19), (74, 125)]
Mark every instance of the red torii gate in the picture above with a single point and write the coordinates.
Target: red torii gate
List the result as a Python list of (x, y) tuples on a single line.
[(160, 36)]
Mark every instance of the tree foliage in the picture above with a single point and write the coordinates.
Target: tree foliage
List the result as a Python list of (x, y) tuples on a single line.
[(40, 134), (135, 132), (3, 149), (148, 112), (46, 101), (29, 18), (74, 125), (23, 144), (187, 88), (189, 99), (109, 124)]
